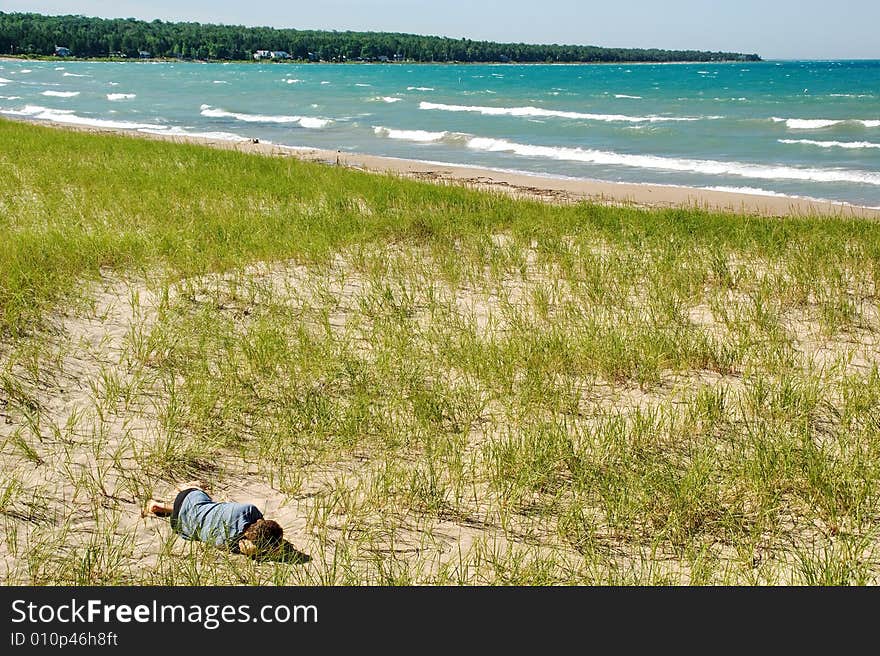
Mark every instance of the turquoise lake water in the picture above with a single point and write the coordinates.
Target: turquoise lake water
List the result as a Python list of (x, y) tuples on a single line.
[(803, 128)]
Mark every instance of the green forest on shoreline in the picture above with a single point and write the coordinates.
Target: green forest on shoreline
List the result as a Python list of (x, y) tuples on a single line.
[(87, 37)]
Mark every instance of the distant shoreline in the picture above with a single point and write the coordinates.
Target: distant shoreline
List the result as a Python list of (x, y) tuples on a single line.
[(521, 184), (53, 58)]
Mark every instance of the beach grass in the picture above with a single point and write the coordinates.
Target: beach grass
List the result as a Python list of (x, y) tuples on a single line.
[(426, 384)]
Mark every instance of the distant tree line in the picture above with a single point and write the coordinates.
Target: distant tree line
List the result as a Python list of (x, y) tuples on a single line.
[(35, 34)]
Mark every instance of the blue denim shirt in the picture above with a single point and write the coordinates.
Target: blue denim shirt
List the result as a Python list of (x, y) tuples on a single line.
[(219, 523)]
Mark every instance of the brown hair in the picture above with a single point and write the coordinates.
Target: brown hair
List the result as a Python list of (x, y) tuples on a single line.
[(264, 533)]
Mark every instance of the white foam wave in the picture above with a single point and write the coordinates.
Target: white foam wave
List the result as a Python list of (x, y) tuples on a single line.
[(422, 136), (820, 123), (707, 167), (121, 96), (805, 124), (4, 80), (33, 110), (623, 95), (75, 75), (539, 111), (11, 97), (391, 99), (325, 82), (61, 94), (25, 70), (752, 191), (220, 82), (303, 121), (831, 144), (360, 84), (67, 116), (293, 81), (175, 131), (59, 68), (420, 88)]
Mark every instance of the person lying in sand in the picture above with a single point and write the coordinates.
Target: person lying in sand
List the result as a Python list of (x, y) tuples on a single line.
[(238, 527)]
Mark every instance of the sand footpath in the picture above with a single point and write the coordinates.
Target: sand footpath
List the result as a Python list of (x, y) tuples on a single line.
[(527, 185)]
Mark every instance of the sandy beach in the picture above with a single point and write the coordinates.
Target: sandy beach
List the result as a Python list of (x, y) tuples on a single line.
[(548, 188)]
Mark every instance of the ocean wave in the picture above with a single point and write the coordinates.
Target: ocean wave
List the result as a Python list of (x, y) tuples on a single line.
[(293, 81), (75, 75), (821, 123), (707, 167), (180, 132), (539, 111), (10, 97), (121, 96), (420, 88), (756, 191), (4, 80), (831, 144), (422, 136), (390, 99), (623, 95), (303, 121), (220, 82), (61, 94), (752, 191), (67, 116), (361, 84)]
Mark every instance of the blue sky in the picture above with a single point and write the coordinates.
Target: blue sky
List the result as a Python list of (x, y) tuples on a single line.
[(775, 29)]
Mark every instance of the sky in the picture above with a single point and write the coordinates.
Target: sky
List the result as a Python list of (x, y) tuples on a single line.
[(775, 29)]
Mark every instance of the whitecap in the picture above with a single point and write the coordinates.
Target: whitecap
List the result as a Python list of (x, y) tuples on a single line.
[(420, 88), (707, 167), (67, 116), (751, 191), (623, 95), (538, 111), (831, 144), (390, 99), (304, 121), (61, 94), (410, 135), (180, 132), (821, 123), (121, 96), (75, 75)]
